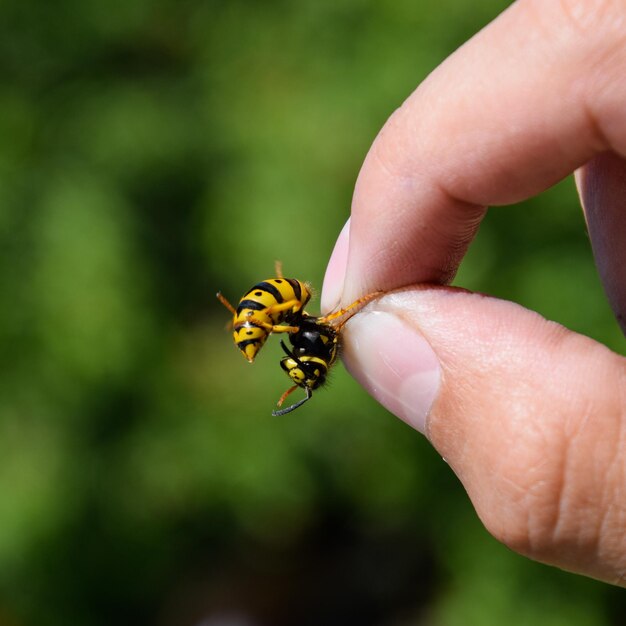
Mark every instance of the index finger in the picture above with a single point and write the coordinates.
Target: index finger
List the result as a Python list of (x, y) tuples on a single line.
[(533, 96)]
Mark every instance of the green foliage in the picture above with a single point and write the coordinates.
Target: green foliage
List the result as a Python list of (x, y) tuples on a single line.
[(152, 153)]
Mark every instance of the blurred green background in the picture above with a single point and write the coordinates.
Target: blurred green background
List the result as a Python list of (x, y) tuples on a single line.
[(151, 153)]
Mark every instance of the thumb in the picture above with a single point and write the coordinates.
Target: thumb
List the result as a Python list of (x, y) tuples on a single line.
[(530, 416)]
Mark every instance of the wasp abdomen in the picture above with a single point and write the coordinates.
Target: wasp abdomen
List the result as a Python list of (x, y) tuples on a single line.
[(271, 306)]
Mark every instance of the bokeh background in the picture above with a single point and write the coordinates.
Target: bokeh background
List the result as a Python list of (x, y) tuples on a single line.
[(151, 153)]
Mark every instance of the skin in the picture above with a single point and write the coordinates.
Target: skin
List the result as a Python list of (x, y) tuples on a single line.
[(530, 416)]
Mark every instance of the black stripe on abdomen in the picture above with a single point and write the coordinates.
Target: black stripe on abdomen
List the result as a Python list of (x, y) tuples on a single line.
[(296, 287), (246, 342), (250, 304), (268, 288)]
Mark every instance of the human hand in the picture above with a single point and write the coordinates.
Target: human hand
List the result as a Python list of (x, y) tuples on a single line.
[(531, 416)]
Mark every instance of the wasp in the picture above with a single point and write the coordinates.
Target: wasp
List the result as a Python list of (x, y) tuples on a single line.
[(274, 305), (315, 347)]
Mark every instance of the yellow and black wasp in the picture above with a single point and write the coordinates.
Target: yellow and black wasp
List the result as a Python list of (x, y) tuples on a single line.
[(276, 305)]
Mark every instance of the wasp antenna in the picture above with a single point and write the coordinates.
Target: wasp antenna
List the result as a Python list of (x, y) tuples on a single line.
[(293, 407), (289, 353), (278, 269)]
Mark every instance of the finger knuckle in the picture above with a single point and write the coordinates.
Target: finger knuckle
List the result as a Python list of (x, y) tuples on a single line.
[(560, 494), (531, 502)]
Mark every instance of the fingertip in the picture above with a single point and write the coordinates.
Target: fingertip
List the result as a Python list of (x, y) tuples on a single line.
[(336, 271), (393, 361)]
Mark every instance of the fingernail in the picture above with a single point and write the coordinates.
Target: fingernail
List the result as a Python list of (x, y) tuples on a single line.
[(394, 362), (336, 271)]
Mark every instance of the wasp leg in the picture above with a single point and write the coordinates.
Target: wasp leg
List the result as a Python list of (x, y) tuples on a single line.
[(270, 328), (353, 308), (284, 396), (293, 407), (289, 305), (278, 269), (279, 328), (226, 303)]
